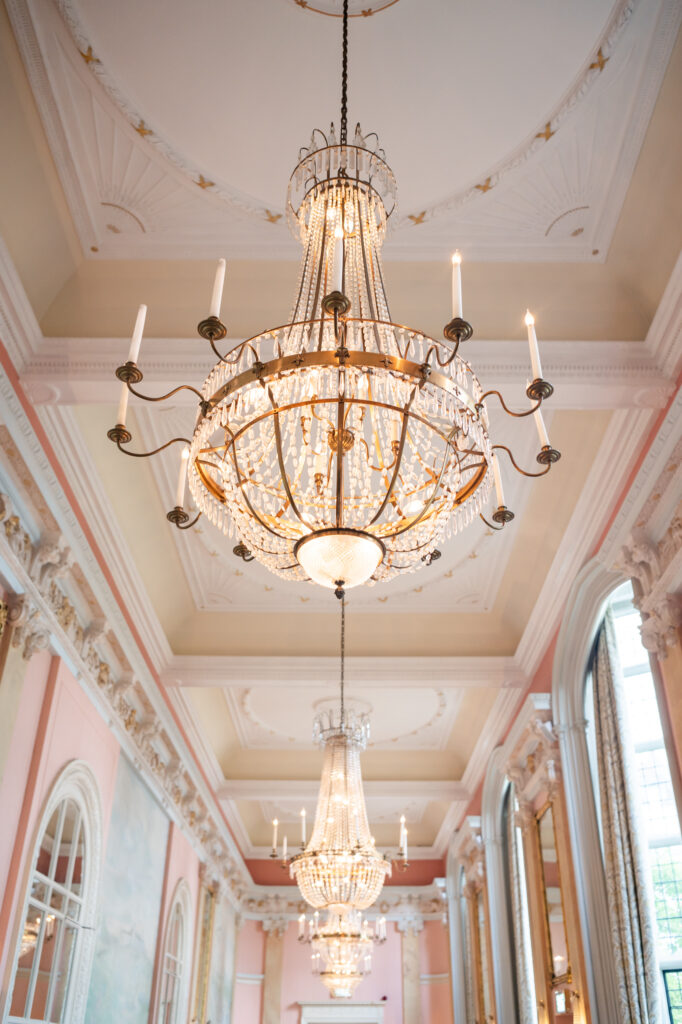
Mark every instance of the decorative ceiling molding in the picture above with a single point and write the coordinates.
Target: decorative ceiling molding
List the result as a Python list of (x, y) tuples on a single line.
[(307, 789), (230, 671), (586, 374), (591, 70), (557, 196)]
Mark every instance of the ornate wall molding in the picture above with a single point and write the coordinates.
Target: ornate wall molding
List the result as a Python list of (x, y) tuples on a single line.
[(45, 612), (652, 565)]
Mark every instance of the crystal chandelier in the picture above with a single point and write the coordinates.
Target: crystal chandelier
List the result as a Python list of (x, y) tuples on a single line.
[(339, 868), (341, 949), (341, 447)]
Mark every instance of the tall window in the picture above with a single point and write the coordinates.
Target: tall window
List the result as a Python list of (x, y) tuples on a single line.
[(659, 820), (172, 979), (53, 919)]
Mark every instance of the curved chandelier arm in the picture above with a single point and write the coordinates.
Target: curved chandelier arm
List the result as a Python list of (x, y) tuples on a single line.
[(490, 525), (510, 412), (144, 455), (524, 472), (169, 394)]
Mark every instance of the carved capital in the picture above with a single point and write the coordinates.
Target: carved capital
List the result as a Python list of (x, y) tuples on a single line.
[(660, 626), (31, 632), (50, 562)]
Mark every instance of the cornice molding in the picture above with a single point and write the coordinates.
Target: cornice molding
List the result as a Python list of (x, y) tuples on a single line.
[(260, 670), (586, 374)]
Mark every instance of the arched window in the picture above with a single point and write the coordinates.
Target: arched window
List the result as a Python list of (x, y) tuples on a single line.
[(175, 965), (655, 811), (54, 947)]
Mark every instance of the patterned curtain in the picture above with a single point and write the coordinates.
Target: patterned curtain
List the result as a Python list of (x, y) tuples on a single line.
[(525, 983), (627, 880)]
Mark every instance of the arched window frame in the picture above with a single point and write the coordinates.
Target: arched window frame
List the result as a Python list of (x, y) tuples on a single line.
[(492, 834), (584, 612), (77, 783), (182, 900)]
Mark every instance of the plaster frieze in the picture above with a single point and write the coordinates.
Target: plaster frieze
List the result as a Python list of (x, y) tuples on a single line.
[(534, 763), (44, 611), (654, 566)]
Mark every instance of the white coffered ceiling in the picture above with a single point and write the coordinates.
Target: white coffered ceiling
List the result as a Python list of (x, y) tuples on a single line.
[(514, 133)]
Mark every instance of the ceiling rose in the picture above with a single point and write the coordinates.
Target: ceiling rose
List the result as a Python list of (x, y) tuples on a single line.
[(341, 447), (356, 8)]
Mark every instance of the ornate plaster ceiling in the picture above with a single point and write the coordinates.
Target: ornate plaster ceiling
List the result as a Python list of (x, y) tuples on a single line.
[(549, 125), (516, 142)]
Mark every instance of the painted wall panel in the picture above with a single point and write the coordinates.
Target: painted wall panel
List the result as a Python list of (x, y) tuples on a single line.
[(132, 882)]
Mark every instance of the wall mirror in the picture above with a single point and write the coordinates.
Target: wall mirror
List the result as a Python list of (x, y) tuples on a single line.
[(483, 954), (555, 918)]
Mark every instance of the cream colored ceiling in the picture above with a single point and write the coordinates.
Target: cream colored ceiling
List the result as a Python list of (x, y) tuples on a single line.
[(483, 597)]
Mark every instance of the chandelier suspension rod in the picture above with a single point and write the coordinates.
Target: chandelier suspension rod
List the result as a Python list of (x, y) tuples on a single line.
[(343, 138), (343, 659)]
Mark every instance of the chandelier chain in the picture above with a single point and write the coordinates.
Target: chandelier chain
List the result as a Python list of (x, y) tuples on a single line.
[(344, 78), (343, 658)]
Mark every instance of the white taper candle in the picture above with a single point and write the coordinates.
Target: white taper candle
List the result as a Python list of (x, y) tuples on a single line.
[(301, 926), (456, 283), (337, 269), (284, 848), (498, 480), (122, 405), (136, 339), (303, 837), (275, 823), (542, 430), (218, 283), (533, 345), (405, 848), (182, 478)]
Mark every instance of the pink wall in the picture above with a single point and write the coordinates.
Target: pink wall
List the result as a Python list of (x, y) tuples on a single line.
[(434, 959), (250, 960), (57, 723), (182, 864)]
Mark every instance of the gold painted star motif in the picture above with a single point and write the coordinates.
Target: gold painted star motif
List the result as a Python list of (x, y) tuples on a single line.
[(546, 132), (204, 183), (142, 129), (599, 62), (485, 187), (89, 56), (271, 217), (417, 218)]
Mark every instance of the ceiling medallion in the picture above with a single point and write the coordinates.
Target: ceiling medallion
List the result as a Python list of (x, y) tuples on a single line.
[(341, 448), (334, 8)]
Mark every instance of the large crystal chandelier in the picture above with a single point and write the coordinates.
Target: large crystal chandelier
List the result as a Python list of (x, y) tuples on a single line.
[(341, 447), (341, 949)]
